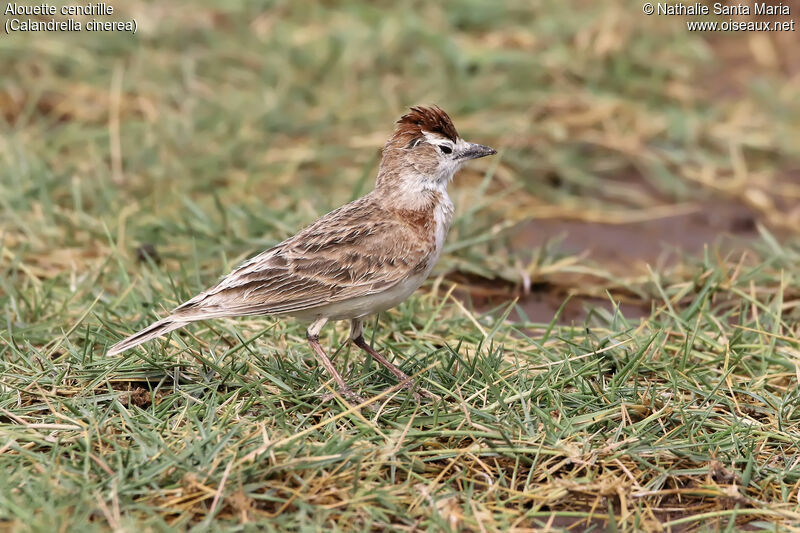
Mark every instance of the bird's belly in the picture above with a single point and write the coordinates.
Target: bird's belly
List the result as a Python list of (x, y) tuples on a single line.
[(365, 305)]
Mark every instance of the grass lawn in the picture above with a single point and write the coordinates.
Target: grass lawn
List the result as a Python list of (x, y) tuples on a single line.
[(613, 327)]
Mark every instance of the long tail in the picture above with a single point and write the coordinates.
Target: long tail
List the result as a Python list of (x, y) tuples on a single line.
[(156, 329)]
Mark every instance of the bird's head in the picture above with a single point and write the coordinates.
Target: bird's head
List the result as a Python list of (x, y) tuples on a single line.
[(426, 150)]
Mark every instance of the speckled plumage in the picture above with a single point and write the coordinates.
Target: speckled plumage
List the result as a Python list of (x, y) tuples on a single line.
[(360, 249), (360, 259)]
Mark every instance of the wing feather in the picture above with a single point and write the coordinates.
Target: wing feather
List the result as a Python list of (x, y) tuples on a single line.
[(350, 252)]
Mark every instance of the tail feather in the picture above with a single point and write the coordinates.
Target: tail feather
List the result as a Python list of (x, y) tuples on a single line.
[(156, 329)]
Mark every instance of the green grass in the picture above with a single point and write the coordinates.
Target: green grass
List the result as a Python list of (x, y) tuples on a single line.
[(217, 131)]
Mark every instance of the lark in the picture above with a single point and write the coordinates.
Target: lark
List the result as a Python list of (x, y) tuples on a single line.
[(360, 259)]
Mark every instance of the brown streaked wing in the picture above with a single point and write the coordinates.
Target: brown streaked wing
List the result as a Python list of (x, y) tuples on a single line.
[(346, 254)]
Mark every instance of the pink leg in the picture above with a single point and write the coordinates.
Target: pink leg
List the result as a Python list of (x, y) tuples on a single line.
[(356, 335), (313, 339)]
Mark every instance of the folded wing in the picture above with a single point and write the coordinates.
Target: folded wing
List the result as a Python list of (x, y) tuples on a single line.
[(343, 255)]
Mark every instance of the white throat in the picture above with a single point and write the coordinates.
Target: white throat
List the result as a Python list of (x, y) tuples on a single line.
[(443, 215)]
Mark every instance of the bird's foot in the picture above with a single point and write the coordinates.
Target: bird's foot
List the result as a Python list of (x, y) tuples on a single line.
[(345, 393), (427, 394), (419, 392), (405, 380)]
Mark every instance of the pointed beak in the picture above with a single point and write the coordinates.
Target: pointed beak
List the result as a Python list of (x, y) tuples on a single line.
[(474, 151)]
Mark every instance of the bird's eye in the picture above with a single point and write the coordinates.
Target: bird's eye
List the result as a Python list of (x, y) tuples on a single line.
[(445, 149)]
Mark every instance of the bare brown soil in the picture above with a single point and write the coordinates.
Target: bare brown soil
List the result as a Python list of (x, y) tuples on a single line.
[(627, 249)]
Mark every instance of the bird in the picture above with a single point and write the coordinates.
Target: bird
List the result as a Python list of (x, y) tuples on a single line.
[(358, 260)]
